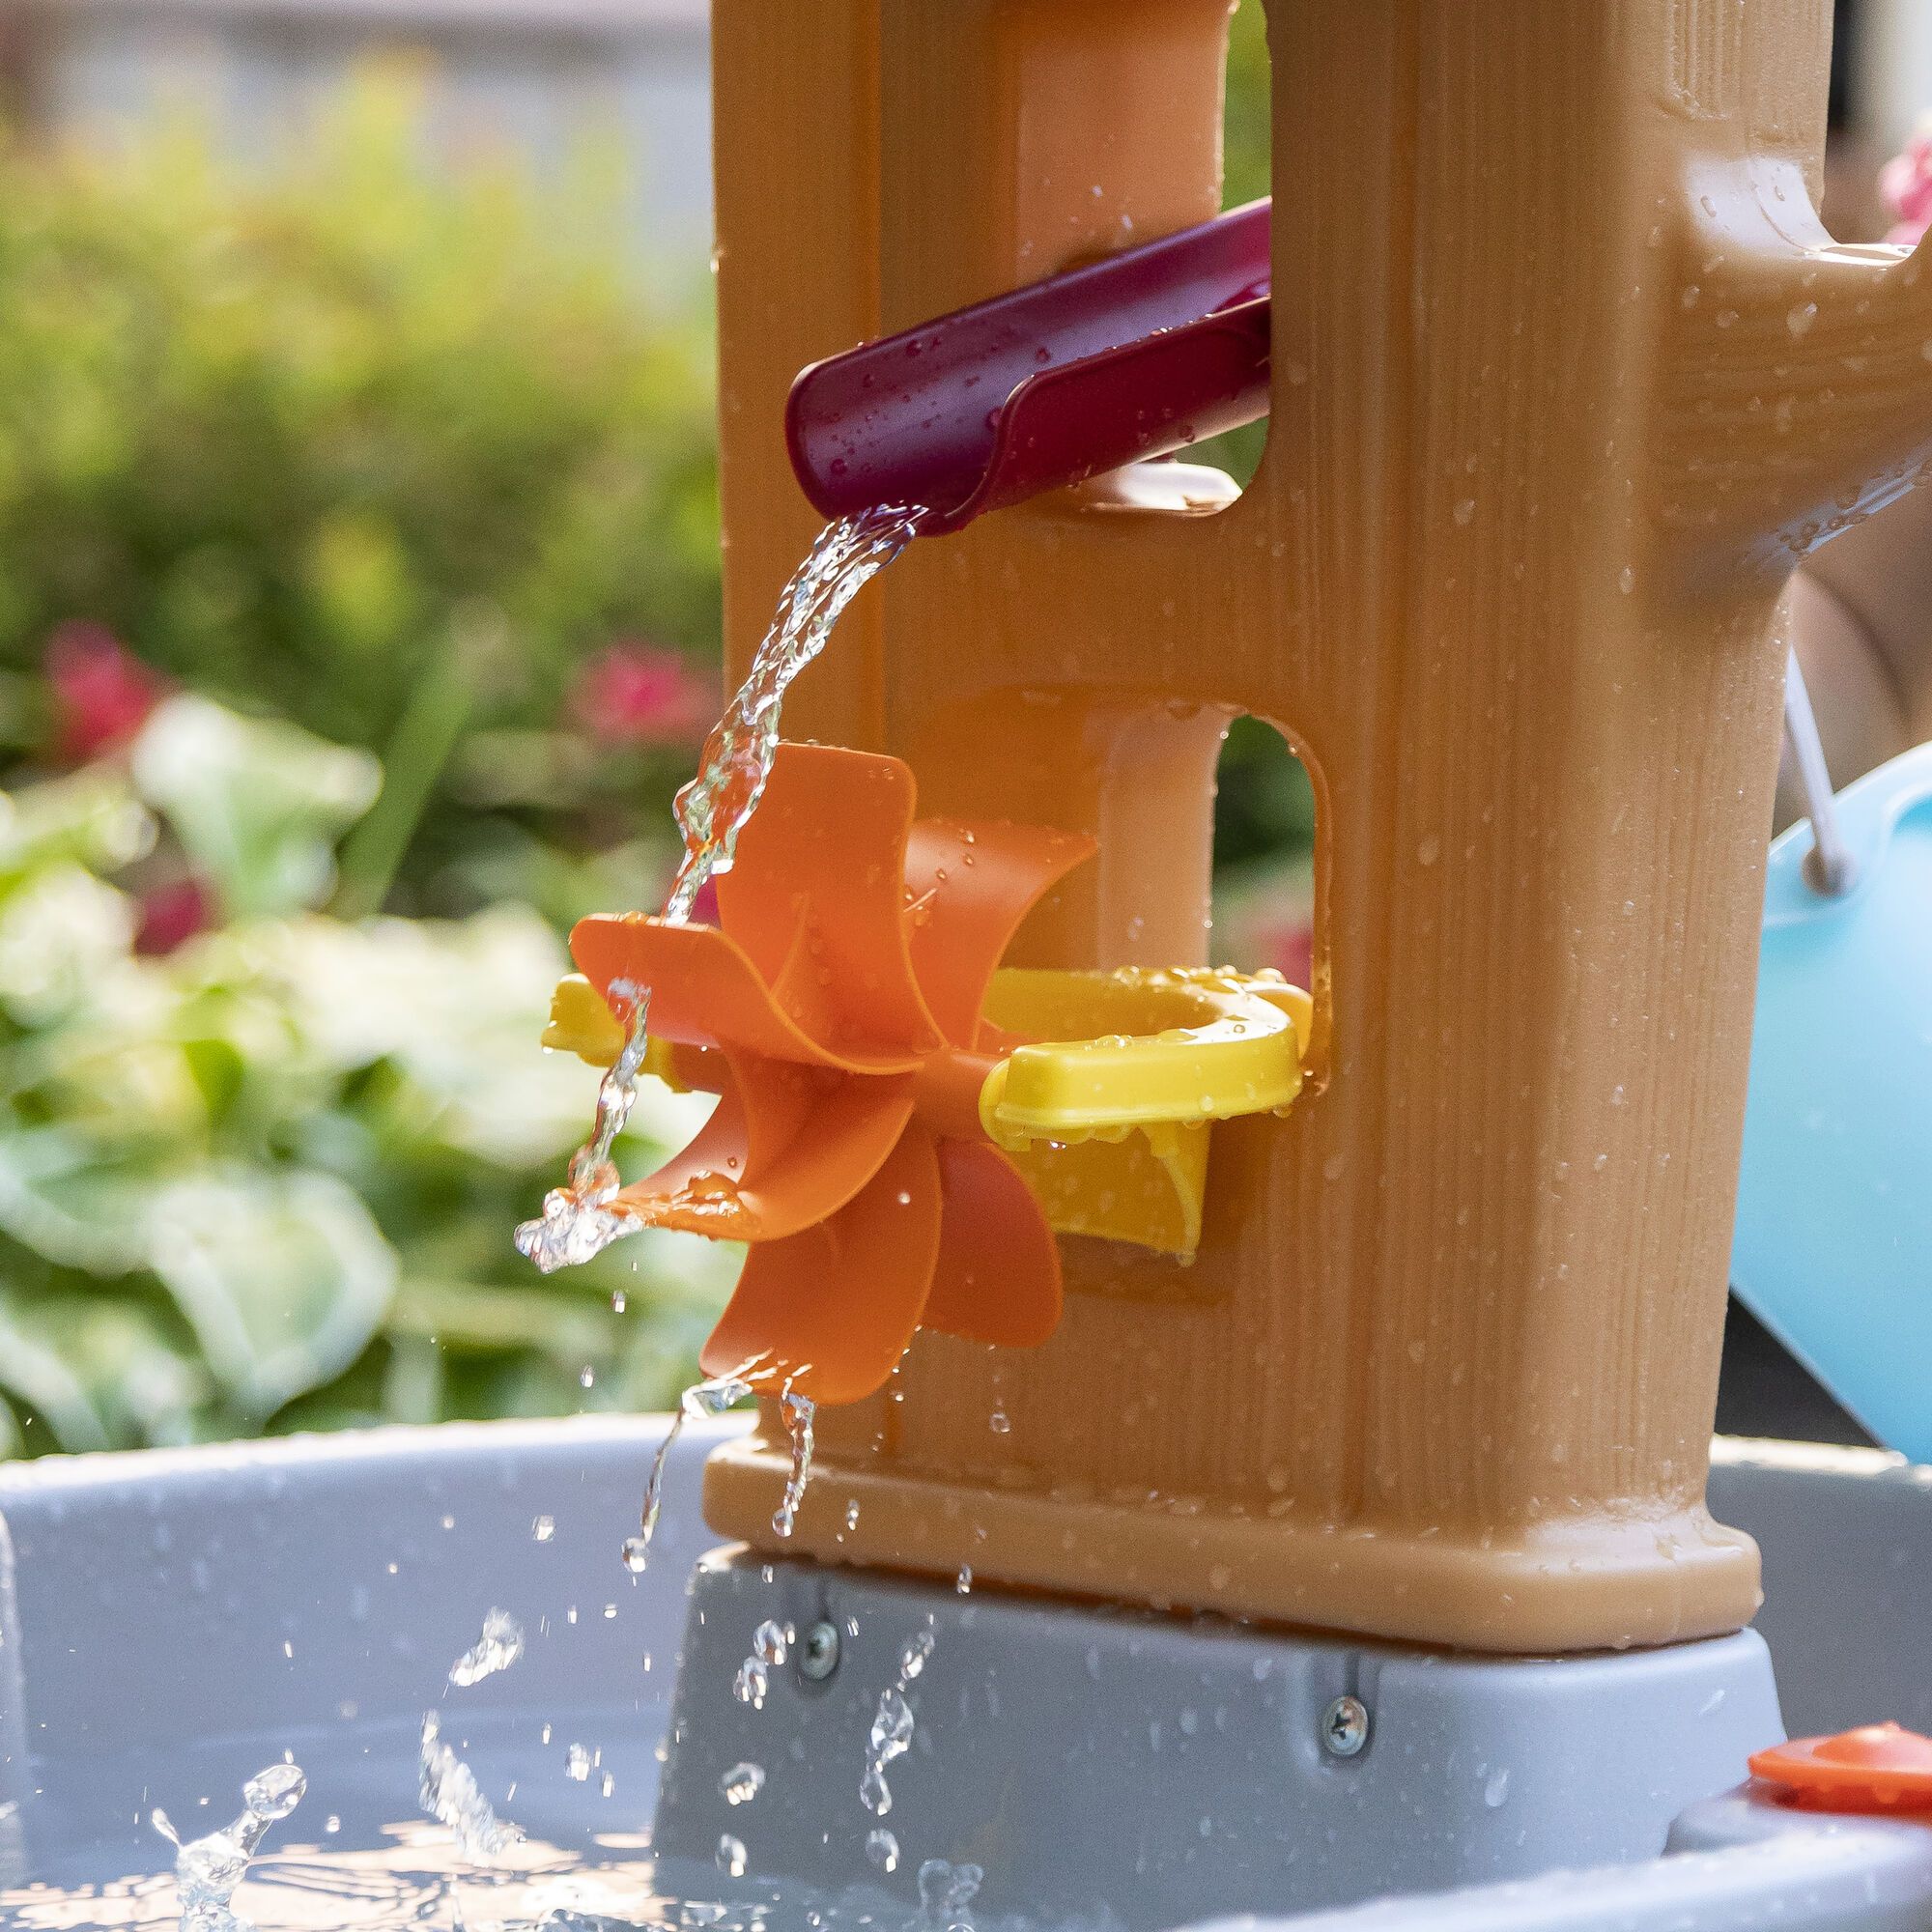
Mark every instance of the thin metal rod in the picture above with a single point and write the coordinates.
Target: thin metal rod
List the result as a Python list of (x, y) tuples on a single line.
[(1828, 867)]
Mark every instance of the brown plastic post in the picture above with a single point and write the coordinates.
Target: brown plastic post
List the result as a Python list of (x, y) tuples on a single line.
[(1565, 378)]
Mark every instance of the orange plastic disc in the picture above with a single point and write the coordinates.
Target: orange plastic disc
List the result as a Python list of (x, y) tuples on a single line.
[(1875, 1768)]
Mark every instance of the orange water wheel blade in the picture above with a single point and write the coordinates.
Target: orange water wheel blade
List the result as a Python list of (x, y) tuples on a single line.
[(784, 1147), (705, 990), (969, 886), (817, 894), (997, 1274), (830, 1310)]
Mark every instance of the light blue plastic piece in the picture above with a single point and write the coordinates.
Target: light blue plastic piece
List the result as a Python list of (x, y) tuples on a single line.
[(1834, 1245)]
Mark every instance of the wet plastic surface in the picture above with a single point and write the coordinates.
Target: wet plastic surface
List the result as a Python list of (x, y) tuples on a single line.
[(170, 1623)]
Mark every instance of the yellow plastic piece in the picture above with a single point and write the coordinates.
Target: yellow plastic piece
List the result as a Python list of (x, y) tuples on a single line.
[(1109, 1119), (581, 1023)]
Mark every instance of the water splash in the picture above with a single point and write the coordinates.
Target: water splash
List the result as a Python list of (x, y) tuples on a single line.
[(771, 1645), (700, 1400), (207, 1870), (801, 1412), (890, 1738), (450, 1793), (578, 1220), (946, 1891), (497, 1649), (892, 1724)]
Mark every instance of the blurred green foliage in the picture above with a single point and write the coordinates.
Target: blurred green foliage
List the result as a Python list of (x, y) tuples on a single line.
[(1247, 137), (342, 434), (358, 549), (1247, 140), (268, 1180)]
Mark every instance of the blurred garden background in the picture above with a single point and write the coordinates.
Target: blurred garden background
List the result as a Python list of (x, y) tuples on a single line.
[(358, 618)]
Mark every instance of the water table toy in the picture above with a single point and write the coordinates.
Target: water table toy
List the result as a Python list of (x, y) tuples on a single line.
[(1262, 1459)]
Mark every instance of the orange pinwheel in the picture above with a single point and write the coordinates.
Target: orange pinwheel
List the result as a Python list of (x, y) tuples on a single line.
[(836, 1010)]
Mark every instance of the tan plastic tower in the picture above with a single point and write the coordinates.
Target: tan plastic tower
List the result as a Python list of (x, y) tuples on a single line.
[(1567, 377)]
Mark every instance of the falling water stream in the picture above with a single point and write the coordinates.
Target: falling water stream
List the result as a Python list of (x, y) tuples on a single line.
[(582, 1217), (585, 1215)]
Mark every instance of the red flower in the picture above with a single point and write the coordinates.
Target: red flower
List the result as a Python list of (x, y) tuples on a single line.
[(172, 915), (643, 695), (103, 694)]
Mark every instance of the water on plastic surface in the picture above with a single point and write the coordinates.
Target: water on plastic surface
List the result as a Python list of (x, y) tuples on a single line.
[(407, 1880), (412, 1877)]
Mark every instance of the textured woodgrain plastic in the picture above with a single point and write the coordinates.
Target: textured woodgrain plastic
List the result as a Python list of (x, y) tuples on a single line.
[(1565, 378)]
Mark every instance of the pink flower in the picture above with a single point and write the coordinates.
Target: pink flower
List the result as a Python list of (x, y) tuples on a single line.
[(103, 694), (1289, 947), (172, 915), (643, 695), (1905, 186)]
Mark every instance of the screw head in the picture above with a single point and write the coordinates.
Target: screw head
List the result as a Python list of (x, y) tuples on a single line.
[(1344, 1727), (818, 1652)]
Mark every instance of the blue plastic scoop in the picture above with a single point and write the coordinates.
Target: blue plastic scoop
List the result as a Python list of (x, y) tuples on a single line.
[(1834, 1244)]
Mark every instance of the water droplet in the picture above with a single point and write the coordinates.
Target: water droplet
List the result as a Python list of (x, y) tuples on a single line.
[(998, 1422), (944, 1891), (742, 1783), (448, 1792), (497, 1649), (576, 1763), (542, 1530), (800, 1411), (207, 1870), (1430, 850), (1496, 1788), (731, 1856), (891, 1737), (273, 1794), (882, 1849), (963, 1583)]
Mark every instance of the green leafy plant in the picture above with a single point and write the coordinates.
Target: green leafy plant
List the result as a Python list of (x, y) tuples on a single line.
[(267, 1180), (399, 456)]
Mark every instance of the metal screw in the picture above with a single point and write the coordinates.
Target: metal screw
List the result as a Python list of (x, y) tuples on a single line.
[(818, 1654), (1344, 1727)]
